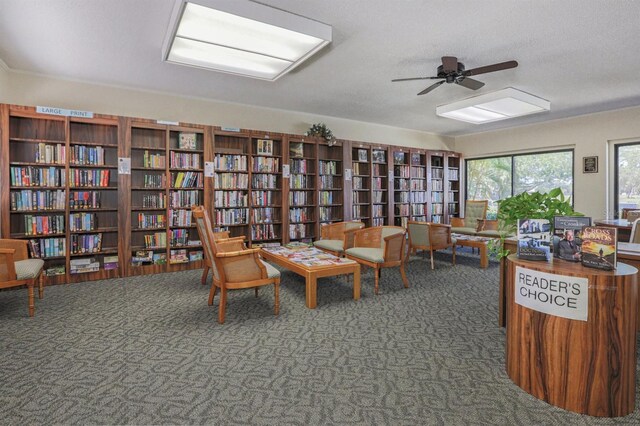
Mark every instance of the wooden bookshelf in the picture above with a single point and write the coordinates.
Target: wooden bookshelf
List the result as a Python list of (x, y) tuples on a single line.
[(70, 166), (93, 175), (401, 186), (167, 179), (330, 182), (436, 173), (60, 186), (453, 185), (232, 162), (266, 197), (418, 184), (361, 206), (380, 186), (301, 192)]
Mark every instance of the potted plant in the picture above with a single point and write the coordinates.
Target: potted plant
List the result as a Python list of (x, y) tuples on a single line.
[(321, 130), (529, 205)]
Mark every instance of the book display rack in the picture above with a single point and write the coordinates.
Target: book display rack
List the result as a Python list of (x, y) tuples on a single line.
[(66, 191)]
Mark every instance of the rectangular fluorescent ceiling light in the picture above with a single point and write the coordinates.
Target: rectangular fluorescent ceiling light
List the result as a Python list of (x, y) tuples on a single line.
[(241, 37), (494, 106)]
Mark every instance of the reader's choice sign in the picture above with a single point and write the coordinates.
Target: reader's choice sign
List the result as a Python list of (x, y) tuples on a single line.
[(347, 175), (558, 295), (286, 171)]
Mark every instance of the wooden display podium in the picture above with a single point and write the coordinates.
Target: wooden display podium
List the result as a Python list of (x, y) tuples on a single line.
[(588, 367)]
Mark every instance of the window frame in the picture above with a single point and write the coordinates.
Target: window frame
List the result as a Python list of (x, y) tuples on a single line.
[(616, 183), (520, 154)]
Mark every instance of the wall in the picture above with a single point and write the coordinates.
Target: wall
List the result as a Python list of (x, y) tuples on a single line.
[(4, 78), (32, 90), (592, 134)]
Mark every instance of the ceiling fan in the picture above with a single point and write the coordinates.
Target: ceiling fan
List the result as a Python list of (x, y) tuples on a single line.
[(452, 71)]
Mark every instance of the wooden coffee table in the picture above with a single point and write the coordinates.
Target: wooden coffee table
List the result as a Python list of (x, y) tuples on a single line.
[(475, 242), (338, 266)]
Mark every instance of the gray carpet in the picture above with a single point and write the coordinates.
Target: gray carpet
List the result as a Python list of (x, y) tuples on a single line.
[(148, 350)]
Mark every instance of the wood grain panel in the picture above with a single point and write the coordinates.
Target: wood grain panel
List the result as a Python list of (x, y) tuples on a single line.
[(588, 366)]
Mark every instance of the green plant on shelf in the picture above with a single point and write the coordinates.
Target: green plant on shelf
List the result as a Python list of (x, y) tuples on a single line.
[(528, 205), (321, 130)]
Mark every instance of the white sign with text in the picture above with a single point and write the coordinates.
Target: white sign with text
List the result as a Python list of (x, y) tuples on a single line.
[(558, 295)]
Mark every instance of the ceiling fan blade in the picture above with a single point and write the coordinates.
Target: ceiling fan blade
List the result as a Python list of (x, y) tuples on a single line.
[(414, 78), (491, 68), (449, 63), (470, 83), (430, 88)]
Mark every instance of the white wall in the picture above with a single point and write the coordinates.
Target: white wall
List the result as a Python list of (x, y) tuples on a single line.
[(32, 90), (4, 78), (588, 134)]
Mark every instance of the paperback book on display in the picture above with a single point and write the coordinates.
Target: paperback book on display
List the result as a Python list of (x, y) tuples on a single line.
[(296, 149), (187, 140), (599, 247), (567, 237), (534, 239)]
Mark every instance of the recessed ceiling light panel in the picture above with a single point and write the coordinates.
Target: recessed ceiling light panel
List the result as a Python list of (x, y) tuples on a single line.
[(241, 37), (494, 106)]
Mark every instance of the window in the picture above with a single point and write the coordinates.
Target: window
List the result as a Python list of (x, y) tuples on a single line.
[(627, 177), (497, 178)]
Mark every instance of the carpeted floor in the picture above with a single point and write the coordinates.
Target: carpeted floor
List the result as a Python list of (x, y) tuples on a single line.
[(148, 350)]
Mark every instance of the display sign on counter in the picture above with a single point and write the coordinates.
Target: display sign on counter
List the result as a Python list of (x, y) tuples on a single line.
[(558, 295)]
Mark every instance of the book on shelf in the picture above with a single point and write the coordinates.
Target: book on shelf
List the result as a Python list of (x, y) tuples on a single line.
[(50, 154), (179, 256), (296, 149), (567, 237), (534, 239), (110, 262), (187, 140), (82, 266), (142, 257), (264, 147), (415, 159), (195, 256), (599, 247), (55, 270), (160, 258), (378, 156), (398, 158), (362, 155)]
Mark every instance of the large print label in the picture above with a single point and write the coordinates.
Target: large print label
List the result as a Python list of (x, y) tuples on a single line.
[(558, 295)]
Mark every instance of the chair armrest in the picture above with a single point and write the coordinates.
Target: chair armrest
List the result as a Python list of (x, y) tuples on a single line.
[(394, 247), (223, 240), (246, 252), (230, 245), (490, 225), (20, 247), (6, 257), (367, 237), (349, 237), (457, 222)]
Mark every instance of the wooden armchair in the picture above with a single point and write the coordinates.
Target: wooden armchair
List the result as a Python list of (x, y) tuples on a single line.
[(430, 236), (379, 247), (632, 215), (335, 238), (217, 236), (234, 266), (474, 210), (17, 269)]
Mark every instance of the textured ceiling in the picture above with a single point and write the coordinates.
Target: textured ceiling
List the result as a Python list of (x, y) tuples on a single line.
[(580, 55)]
